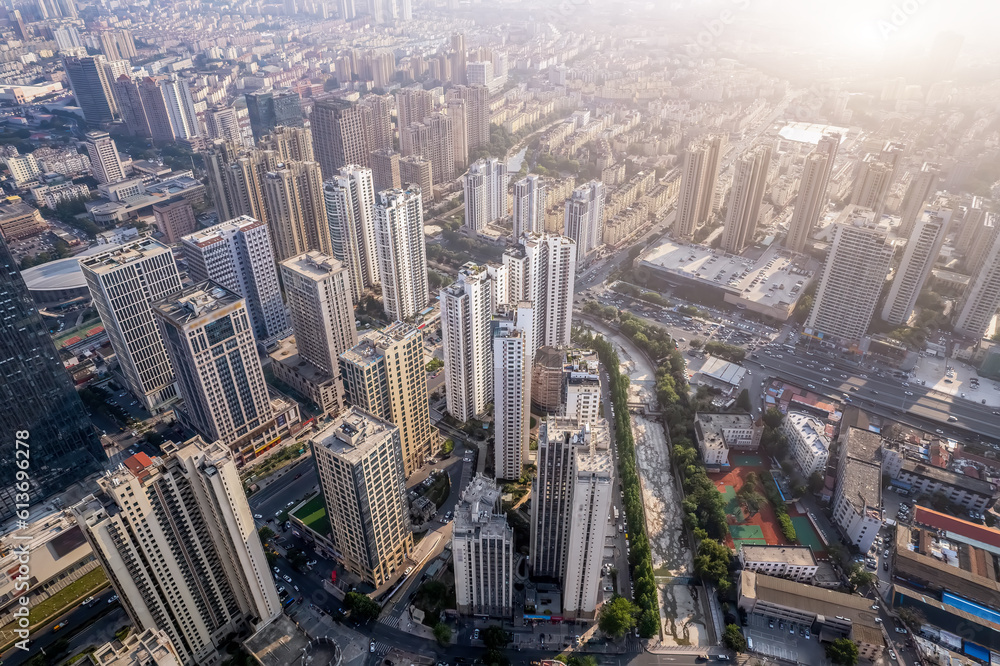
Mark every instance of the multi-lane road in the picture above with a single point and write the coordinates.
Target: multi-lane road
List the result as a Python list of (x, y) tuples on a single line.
[(883, 393)]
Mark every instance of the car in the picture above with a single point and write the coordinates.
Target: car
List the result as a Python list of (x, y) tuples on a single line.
[(879, 620), (277, 570), (874, 392), (475, 635), (907, 392), (371, 646), (408, 570), (939, 431), (286, 578), (892, 655), (771, 624), (812, 386), (874, 606), (952, 419), (295, 587), (900, 630), (289, 504), (808, 634), (886, 553), (59, 626), (885, 565), (113, 598), (311, 563), (608, 588), (277, 513), (258, 516)]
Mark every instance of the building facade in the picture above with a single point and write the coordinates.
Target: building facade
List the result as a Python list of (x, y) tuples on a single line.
[(511, 329), (402, 252), (483, 551), (467, 343), (350, 213)]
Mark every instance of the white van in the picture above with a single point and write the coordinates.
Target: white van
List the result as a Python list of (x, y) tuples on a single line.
[(749, 643)]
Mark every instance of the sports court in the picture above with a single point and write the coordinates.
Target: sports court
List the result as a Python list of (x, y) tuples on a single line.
[(806, 534), (750, 535), (748, 460)]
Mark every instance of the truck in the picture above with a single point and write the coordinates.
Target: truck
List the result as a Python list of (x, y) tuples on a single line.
[(616, 514)]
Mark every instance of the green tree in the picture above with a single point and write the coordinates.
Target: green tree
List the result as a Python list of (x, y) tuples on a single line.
[(361, 606), (494, 637), (733, 638), (911, 618), (495, 658), (265, 533), (773, 418), (859, 576), (442, 633), (842, 652), (617, 617), (743, 401), (585, 660)]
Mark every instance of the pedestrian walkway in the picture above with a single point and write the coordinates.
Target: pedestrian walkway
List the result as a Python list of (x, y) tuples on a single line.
[(391, 620), (381, 649)]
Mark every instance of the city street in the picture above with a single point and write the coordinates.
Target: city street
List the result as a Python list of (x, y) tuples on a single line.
[(886, 395)]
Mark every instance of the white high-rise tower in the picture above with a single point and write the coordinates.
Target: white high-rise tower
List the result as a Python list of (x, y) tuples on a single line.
[(465, 335), (512, 363), (402, 252), (350, 211)]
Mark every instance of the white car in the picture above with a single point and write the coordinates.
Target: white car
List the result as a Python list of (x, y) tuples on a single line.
[(286, 578)]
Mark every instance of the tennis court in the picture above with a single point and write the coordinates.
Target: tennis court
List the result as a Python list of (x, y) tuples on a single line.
[(733, 507), (750, 535), (747, 460)]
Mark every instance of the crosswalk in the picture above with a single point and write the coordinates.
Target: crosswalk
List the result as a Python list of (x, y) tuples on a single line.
[(390, 621), (381, 649)]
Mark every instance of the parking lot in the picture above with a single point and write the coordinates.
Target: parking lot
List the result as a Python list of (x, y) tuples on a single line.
[(784, 641)]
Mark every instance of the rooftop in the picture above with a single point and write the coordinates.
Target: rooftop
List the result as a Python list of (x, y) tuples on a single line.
[(810, 429), (775, 279), (972, 531), (313, 264), (946, 476), (59, 274), (214, 233), (196, 301), (711, 428), (927, 558), (816, 600), (122, 255), (801, 556), (353, 435)]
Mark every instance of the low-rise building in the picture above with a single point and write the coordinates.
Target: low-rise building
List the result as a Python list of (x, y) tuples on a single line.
[(304, 378), (19, 220), (807, 441), (828, 614), (923, 478), (151, 647), (718, 433), (857, 500), (796, 563)]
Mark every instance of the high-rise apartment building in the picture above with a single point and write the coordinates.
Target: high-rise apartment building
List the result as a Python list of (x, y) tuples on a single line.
[(117, 44), (584, 219), (124, 282), (482, 547), (485, 187), (921, 251), (176, 537), (154, 105), (237, 255), (529, 206), (91, 88), (852, 277), (419, 172), (511, 329), (812, 198), (385, 170), (319, 299), (569, 513), (918, 193), (745, 196), (467, 344), (979, 303), (412, 106), (221, 123), (384, 375), (104, 161), (291, 144), (402, 252), (296, 209), (542, 270), (432, 139), (459, 131), (273, 108), (696, 202), (381, 107), (39, 405), (976, 225), (130, 105), (208, 335), (360, 463), (342, 134), (175, 219), (477, 113), (459, 58), (350, 213), (871, 185), (236, 179), (179, 103)]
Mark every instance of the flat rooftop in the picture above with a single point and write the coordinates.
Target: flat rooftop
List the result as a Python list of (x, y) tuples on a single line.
[(712, 427), (811, 429), (196, 301), (59, 274), (353, 435), (313, 264), (800, 556), (775, 279), (120, 255), (810, 132), (216, 232)]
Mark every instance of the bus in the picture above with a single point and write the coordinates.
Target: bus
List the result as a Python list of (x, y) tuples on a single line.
[(289, 601)]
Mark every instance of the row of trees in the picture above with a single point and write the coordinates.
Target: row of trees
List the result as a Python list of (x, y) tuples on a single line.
[(640, 558)]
